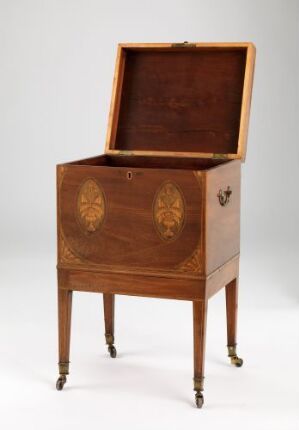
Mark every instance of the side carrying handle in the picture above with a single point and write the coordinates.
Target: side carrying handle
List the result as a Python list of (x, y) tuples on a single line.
[(224, 196)]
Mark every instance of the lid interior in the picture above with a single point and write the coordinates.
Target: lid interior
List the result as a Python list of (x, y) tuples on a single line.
[(181, 100)]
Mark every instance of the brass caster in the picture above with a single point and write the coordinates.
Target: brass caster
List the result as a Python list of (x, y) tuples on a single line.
[(236, 361), (60, 382), (112, 351), (232, 353), (199, 399)]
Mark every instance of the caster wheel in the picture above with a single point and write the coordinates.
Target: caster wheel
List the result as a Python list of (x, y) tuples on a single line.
[(199, 400), (112, 351), (236, 361), (60, 382)]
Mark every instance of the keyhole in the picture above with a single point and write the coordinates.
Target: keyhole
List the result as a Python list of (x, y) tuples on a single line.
[(129, 175)]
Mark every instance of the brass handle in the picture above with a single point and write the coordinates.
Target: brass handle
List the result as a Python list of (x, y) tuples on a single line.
[(224, 196)]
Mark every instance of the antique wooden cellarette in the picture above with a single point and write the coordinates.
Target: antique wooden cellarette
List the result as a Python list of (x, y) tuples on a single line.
[(158, 215)]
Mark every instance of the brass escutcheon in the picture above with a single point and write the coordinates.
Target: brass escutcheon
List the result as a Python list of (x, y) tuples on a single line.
[(224, 196), (129, 175)]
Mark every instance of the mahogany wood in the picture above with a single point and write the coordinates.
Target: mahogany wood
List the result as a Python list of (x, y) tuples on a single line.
[(158, 215), (172, 96), (209, 234), (222, 224), (222, 276), (231, 293), (200, 309), (128, 236), (148, 284), (64, 323), (153, 162), (109, 302), (170, 100)]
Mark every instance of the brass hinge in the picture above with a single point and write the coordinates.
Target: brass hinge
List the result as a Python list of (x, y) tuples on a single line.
[(220, 156), (183, 45), (125, 153)]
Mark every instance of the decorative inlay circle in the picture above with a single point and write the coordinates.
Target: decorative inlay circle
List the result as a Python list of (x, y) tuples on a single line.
[(169, 211), (90, 206)]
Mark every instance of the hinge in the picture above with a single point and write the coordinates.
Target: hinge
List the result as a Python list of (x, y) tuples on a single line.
[(183, 45), (125, 153), (221, 156)]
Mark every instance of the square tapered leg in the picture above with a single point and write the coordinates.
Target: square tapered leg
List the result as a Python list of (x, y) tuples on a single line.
[(109, 303), (231, 292), (64, 333), (199, 338)]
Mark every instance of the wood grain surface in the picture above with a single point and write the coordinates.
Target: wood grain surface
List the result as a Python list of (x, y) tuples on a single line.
[(165, 99)]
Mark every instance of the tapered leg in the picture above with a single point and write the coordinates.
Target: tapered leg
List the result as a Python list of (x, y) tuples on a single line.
[(231, 292), (64, 333), (109, 300), (199, 336)]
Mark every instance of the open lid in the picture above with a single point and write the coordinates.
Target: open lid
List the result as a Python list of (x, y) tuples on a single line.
[(185, 100)]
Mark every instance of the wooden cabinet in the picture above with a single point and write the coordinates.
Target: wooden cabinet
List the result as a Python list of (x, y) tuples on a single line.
[(158, 215)]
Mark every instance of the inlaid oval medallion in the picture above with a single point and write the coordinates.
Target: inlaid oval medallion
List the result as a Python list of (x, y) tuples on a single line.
[(90, 206), (169, 211)]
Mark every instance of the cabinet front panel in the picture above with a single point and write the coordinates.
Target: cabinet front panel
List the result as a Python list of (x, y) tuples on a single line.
[(130, 218)]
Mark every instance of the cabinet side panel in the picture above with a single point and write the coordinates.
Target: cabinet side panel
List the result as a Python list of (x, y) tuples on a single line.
[(222, 222)]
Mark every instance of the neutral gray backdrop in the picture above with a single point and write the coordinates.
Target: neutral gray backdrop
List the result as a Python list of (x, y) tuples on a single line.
[(56, 68)]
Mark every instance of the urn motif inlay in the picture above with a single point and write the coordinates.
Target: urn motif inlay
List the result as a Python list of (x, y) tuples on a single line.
[(90, 206), (169, 211)]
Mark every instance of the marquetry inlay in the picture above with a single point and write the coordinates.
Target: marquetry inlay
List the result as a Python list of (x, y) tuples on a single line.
[(66, 254), (90, 206), (192, 263), (169, 211)]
